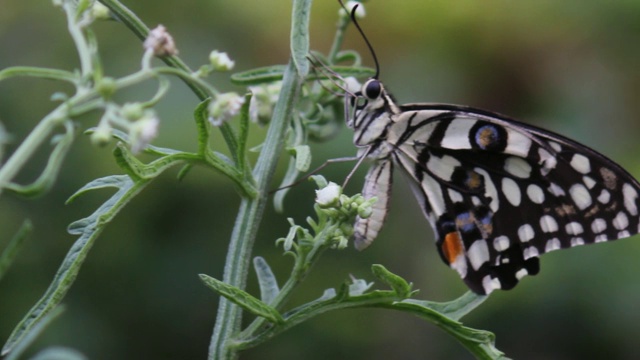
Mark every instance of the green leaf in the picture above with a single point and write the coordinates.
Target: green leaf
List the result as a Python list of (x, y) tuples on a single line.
[(274, 73), (303, 157), (13, 247), (243, 133), (300, 36), (28, 71), (89, 229), (21, 346), (480, 343), (454, 309), (268, 284), (398, 284), (242, 299), (47, 178), (200, 114)]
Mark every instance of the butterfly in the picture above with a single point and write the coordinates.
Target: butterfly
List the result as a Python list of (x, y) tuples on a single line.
[(497, 192)]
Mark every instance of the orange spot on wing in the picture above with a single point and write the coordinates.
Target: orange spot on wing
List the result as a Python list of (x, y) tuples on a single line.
[(452, 246)]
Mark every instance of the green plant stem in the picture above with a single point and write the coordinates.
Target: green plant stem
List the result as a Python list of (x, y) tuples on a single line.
[(80, 41), (27, 148), (338, 39), (250, 216)]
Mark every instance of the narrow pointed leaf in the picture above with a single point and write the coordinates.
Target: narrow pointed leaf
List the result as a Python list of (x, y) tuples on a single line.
[(47, 178), (32, 334), (242, 299), (300, 36), (13, 247), (267, 281), (398, 284)]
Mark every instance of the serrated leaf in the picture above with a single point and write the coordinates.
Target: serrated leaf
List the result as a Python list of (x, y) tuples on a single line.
[(242, 299), (266, 280), (88, 228), (398, 284), (480, 343)]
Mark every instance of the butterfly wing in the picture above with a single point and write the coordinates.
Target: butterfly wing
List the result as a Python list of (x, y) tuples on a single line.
[(499, 193)]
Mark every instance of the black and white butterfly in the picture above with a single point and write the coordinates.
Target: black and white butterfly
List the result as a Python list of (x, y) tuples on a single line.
[(497, 192)]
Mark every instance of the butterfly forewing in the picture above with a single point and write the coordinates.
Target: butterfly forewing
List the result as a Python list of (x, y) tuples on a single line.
[(498, 192)]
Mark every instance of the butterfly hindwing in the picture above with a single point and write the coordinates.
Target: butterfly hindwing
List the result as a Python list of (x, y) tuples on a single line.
[(499, 193)]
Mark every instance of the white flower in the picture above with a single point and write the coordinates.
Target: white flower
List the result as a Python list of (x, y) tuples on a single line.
[(143, 131), (221, 61), (360, 12), (261, 106), (161, 42), (328, 195), (224, 107)]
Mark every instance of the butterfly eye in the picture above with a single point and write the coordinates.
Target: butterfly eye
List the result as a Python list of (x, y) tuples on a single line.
[(372, 89)]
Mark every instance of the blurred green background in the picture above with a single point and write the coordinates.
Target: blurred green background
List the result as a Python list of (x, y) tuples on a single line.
[(571, 66)]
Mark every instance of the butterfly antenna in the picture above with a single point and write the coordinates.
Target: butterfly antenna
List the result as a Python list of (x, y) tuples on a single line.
[(355, 22), (319, 65)]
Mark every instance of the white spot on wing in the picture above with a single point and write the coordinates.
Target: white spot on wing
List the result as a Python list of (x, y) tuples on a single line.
[(623, 234), (525, 233), (490, 188), (521, 273), (580, 163), (574, 228), (580, 196), (547, 160), (517, 143), (601, 238), (530, 252), (552, 245), (587, 180), (621, 221), (489, 284), (555, 146), (517, 167), (457, 134), (604, 196), (535, 193), (433, 191), (577, 241), (455, 196), (460, 265), (511, 191), (501, 243), (598, 226), (442, 167), (548, 224), (630, 195), (478, 253), (556, 190)]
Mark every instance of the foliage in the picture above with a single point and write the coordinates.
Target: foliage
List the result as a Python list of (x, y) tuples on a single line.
[(295, 102)]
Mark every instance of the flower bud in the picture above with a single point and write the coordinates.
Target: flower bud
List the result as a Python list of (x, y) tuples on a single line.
[(160, 42), (329, 195), (224, 107), (220, 61)]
